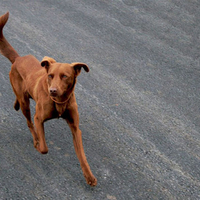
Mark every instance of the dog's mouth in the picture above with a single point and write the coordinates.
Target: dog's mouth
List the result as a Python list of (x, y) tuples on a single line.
[(53, 95)]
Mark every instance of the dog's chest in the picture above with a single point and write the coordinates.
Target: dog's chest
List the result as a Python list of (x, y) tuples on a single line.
[(60, 109)]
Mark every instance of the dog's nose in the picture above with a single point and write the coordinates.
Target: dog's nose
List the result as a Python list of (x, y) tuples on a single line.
[(53, 91)]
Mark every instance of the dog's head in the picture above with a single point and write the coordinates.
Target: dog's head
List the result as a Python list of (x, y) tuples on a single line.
[(61, 76)]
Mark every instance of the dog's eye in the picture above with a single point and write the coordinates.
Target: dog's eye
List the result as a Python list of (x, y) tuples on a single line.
[(64, 76), (50, 76)]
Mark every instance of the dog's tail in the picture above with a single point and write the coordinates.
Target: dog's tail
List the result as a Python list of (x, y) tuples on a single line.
[(5, 48)]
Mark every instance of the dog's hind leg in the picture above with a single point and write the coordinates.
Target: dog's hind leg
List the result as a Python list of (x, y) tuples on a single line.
[(14, 77), (22, 101), (25, 107)]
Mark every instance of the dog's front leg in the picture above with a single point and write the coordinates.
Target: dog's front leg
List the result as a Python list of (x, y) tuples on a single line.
[(39, 125), (73, 122)]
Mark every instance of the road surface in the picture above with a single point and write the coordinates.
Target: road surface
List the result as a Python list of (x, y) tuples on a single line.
[(139, 105)]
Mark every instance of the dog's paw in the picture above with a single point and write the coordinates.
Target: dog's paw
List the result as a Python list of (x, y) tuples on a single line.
[(41, 150), (92, 181), (16, 105)]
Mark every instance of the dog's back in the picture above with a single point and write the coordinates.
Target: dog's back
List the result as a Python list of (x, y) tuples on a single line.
[(28, 65)]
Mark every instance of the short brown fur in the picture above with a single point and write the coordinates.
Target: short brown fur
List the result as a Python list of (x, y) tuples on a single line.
[(51, 85)]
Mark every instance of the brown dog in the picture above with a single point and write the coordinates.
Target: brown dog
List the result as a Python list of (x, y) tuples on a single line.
[(52, 87)]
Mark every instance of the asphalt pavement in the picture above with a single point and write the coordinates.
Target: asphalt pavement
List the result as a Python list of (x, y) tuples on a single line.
[(139, 106)]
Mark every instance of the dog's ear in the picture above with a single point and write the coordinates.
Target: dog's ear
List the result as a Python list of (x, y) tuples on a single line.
[(46, 62), (77, 67)]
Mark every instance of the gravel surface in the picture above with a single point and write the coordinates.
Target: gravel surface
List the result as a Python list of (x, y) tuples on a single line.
[(139, 105)]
